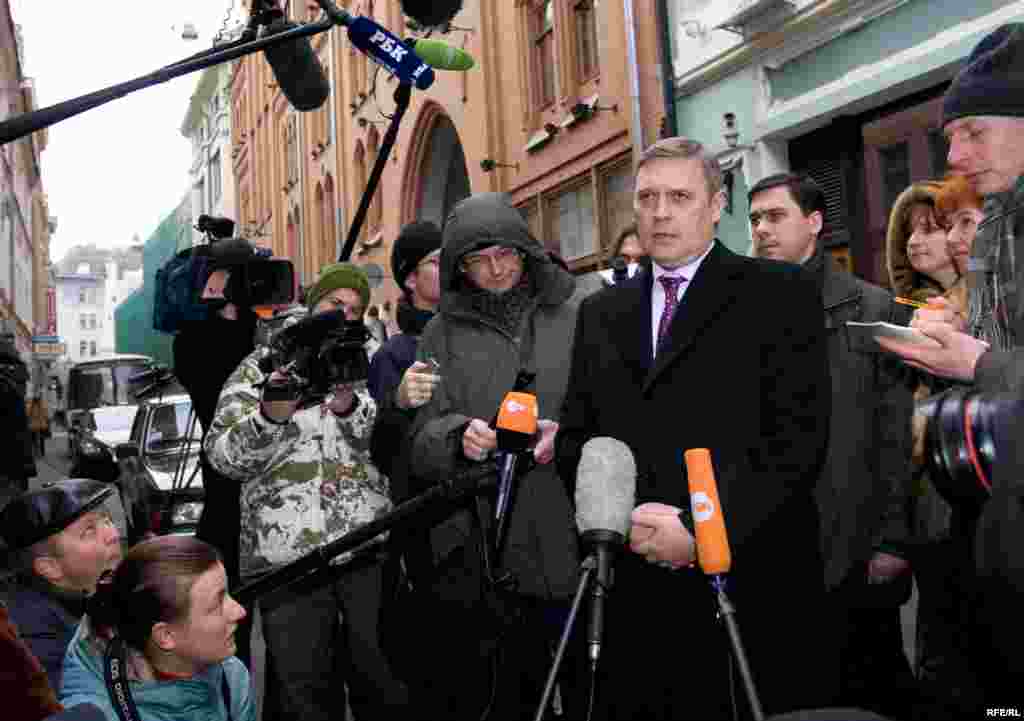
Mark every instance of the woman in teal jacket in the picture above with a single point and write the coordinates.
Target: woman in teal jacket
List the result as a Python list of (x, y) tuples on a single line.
[(167, 611)]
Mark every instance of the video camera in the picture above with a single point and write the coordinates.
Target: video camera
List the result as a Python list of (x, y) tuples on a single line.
[(316, 354), (254, 278)]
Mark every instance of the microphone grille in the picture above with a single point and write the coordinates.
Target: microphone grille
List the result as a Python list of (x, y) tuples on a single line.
[(605, 486)]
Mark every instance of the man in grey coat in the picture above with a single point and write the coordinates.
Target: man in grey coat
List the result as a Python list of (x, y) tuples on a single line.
[(863, 491), (505, 307)]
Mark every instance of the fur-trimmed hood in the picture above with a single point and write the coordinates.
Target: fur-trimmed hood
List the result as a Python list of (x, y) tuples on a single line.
[(907, 282)]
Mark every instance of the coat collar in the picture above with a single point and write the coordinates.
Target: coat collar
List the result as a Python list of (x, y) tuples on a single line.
[(837, 286)]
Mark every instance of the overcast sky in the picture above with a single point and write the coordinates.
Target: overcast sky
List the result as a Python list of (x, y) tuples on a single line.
[(118, 169)]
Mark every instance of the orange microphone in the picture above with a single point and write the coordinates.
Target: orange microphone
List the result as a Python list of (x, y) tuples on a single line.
[(715, 558), (516, 424), (713, 552)]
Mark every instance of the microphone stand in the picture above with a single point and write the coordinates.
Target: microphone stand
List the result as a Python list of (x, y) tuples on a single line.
[(588, 566), (727, 613), (319, 559)]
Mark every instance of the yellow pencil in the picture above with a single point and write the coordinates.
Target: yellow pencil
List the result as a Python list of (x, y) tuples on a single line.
[(907, 301)]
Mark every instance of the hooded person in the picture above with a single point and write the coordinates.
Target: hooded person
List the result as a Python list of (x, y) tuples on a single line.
[(307, 479), (505, 307), (18, 456)]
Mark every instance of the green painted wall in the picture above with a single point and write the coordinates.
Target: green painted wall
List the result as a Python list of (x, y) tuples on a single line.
[(133, 318), (700, 117), (912, 24)]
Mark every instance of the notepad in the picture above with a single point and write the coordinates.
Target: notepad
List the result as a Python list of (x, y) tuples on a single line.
[(881, 329)]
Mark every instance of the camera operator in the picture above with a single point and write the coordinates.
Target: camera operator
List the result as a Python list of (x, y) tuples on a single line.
[(307, 480), (206, 352)]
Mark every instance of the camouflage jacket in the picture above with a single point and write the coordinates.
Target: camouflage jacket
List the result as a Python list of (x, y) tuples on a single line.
[(305, 483)]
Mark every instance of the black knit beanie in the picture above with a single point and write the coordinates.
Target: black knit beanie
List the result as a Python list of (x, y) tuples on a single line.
[(992, 82), (415, 242)]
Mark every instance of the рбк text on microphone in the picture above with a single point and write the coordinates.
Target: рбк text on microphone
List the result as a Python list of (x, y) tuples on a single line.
[(605, 495)]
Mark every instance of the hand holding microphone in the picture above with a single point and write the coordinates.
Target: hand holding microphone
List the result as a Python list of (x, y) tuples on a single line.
[(657, 534)]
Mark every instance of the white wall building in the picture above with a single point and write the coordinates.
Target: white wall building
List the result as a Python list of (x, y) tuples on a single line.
[(207, 125), (86, 299)]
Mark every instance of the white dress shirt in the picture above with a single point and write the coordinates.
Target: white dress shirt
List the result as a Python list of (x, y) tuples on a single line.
[(658, 290)]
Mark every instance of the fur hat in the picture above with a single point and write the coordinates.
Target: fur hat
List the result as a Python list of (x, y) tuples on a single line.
[(991, 82), (339, 275)]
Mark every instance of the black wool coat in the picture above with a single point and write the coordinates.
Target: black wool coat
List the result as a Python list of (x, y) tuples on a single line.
[(745, 375)]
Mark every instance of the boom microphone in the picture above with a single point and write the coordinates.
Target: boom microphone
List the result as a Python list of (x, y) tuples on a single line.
[(605, 495), (390, 52), (431, 13), (297, 69), (713, 552), (442, 56)]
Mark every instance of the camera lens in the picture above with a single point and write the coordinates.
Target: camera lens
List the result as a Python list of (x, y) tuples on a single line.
[(960, 445)]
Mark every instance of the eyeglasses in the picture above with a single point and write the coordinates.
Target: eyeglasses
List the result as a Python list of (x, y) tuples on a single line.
[(504, 257)]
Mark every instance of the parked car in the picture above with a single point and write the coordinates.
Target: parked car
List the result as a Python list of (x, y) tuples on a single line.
[(99, 432), (160, 475), (97, 382)]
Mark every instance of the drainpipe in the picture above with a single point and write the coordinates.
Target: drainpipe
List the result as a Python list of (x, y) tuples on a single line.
[(634, 79), (667, 70)]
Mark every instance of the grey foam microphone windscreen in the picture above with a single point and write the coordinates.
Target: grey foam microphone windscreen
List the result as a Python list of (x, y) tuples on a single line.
[(605, 486)]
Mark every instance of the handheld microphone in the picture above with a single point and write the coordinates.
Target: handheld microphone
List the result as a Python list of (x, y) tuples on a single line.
[(442, 56), (713, 552), (390, 52), (516, 426), (605, 496), (715, 558), (297, 69)]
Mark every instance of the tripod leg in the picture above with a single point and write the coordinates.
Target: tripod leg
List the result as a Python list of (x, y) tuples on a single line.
[(587, 567)]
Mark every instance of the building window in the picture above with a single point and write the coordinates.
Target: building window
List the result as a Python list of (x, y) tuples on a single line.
[(200, 197), (92, 321), (587, 50), (542, 23), (92, 347), (617, 189), (82, 348), (81, 298), (83, 319), (215, 179), (572, 223)]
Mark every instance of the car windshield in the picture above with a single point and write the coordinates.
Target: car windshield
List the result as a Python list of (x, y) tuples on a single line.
[(113, 418), (95, 385), (168, 427)]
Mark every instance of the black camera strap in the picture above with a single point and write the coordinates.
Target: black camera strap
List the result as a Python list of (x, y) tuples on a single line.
[(115, 675), (117, 681)]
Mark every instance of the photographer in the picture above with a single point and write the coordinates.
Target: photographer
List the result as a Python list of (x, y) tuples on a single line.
[(307, 480), (206, 352)]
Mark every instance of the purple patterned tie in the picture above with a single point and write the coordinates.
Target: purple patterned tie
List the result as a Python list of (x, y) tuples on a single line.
[(671, 285)]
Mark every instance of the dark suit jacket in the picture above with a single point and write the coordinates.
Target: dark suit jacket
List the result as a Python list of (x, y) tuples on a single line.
[(744, 375)]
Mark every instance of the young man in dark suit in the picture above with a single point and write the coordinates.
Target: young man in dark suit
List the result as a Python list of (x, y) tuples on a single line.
[(707, 349)]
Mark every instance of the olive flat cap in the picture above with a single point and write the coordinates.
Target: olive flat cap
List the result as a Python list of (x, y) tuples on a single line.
[(41, 513)]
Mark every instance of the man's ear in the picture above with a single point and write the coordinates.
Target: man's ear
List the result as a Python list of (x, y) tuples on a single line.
[(410, 283), (49, 568), (817, 222), (163, 636)]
